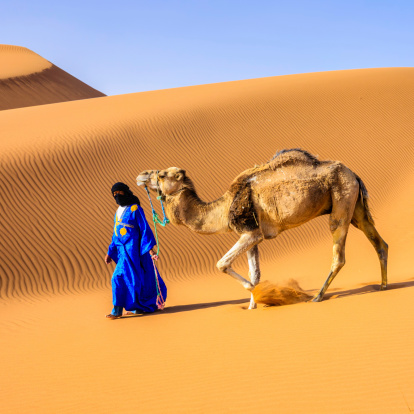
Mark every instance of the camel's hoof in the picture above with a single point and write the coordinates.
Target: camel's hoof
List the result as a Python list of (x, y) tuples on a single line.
[(316, 299), (383, 287), (253, 306)]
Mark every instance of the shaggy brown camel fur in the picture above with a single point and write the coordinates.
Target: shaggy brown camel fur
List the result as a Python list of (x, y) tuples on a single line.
[(291, 189)]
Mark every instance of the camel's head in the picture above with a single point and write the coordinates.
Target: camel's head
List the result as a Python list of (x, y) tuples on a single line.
[(148, 178), (171, 180), (167, 181)]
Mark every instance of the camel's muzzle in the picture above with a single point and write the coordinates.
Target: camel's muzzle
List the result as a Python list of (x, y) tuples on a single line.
[(142, 180)]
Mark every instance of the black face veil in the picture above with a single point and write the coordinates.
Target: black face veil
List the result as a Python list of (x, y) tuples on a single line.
[(127, 198)]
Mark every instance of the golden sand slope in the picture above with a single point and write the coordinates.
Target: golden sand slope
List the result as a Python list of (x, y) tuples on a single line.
[(349, 355), (20, 61), (205, 353), (59, 164), (27, 79)]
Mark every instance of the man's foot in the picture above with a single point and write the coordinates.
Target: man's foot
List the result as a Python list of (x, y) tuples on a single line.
[(110, 316)]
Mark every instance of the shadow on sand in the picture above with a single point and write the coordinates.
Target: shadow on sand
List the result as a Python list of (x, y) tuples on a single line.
[(328, 296), (187, 308), (367, 289)]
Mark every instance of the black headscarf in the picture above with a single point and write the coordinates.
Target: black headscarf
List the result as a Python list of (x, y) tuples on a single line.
[(128, 198)]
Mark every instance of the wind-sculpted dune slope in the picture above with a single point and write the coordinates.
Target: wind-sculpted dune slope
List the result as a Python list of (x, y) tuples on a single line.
[(27, 79), (58, 163)]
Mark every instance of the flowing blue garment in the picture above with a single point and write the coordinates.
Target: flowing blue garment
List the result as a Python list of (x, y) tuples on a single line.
[(134, 286)]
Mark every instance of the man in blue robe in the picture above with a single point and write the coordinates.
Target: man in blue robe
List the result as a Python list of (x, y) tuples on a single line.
[(135, 285)]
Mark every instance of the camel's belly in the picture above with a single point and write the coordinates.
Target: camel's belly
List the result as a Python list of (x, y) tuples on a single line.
[(289, 206)]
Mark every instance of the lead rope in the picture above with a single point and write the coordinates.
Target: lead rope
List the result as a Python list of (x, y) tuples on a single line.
[(155, 218), (160, 300)]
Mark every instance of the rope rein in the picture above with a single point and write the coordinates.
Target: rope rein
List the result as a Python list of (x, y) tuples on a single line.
[(160, 300), (156, 219)]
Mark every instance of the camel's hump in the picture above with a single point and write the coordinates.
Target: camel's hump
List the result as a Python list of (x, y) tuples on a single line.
[(294, 155), (283, 158)]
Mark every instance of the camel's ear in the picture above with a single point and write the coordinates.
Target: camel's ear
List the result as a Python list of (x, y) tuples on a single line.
[(180, 175)]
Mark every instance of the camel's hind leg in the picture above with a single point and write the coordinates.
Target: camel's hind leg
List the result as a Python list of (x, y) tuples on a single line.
[(364, 222), (245, 243), (254, 271)]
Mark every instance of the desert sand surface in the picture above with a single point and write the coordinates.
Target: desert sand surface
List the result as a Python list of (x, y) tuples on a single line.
[(206, 353), (27, 79)]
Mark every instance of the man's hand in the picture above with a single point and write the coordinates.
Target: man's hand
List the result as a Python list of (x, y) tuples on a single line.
[(108, 259), (153, 253)]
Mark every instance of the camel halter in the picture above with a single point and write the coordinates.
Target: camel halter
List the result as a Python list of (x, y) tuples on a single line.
[(155, 217)]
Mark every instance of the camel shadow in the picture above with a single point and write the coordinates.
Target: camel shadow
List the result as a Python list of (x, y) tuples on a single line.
[(366, 289)]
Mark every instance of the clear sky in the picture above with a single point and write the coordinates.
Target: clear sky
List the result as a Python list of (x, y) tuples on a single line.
[(129, 46)]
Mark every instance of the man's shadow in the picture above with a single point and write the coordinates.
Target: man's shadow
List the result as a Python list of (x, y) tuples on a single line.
[(187, 308), (328, 296)]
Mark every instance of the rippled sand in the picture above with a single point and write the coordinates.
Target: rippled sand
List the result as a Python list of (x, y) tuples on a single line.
[(206, 353)]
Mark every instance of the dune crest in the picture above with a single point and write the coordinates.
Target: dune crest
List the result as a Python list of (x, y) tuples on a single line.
[(27, 79), (20, 61)]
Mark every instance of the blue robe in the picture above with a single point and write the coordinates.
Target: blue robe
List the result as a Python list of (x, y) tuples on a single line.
[(133, 281)]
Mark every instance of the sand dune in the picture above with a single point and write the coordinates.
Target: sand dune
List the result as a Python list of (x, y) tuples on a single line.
[(27, 79), (66, 156), (350, 353)]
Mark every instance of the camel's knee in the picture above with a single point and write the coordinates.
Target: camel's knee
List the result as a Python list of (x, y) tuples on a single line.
[(222, 266)]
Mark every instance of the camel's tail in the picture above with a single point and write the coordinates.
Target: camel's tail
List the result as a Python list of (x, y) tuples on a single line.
[(363, 193)]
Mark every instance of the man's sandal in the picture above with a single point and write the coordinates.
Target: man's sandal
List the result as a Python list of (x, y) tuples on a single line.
[(110, 316)]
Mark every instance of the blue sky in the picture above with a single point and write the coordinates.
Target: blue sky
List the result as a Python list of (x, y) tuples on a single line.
[(131, 46)]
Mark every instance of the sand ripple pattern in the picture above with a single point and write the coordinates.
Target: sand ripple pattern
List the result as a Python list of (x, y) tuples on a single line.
[(58, 163)]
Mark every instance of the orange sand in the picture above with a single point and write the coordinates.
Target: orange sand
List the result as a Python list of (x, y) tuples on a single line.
[(206, 353), (20, 61), (27, 79)]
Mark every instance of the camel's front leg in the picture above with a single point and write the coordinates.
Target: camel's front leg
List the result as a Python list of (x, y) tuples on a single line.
[(254, 271), (246, 242)]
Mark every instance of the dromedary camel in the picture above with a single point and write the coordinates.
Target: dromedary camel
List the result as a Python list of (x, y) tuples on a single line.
[(289, 190)]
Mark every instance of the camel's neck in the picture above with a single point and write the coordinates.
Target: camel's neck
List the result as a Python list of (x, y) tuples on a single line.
[(209, 218)]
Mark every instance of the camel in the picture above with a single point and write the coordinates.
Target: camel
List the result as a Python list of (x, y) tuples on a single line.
[(262, 202)]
